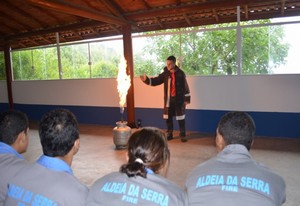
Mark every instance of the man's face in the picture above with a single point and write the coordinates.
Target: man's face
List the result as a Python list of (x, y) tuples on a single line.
[(170, 65)]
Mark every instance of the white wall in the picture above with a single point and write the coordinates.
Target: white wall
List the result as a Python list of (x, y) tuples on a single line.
[(270, 93), (274, 93)]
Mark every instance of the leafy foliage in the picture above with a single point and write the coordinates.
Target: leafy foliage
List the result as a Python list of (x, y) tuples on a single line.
[(213, 52)]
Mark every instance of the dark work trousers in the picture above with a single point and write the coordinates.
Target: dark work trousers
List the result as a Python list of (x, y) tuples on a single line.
[(169, 121)]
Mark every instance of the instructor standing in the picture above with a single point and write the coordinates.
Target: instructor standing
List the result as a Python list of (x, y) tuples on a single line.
[(176, 95)]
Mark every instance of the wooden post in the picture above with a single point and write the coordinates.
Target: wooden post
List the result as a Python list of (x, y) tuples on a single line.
[(127, 44), (8, 70)]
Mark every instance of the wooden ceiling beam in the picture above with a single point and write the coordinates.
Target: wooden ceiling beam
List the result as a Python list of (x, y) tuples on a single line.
[(187, 19), (74, 9), (8, 25), (188, 8), (216, 15), (178, 2), (26, 14), (146, 4), (54, 30), (159, 23), (116, 29), (14, 21), (246, 12), (113, 8), (48, 13), (282, 6), (46, 40)]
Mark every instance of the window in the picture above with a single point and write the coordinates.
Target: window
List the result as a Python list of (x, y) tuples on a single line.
[(267, 47), (35, 64), (2, 66)]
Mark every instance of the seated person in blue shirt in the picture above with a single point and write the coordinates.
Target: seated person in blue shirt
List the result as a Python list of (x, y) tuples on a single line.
[(13, 142), (50, 181), (233, 177), (138, 182)]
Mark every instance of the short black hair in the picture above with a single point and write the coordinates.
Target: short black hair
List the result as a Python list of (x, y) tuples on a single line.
[(172, 58), (58, 131), (237, 128), (12, 123)]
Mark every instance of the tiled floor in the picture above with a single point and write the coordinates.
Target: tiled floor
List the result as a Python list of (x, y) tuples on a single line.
[(97, 156)]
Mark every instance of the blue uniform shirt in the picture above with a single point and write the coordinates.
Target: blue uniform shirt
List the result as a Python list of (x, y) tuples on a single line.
[(50, 182), (234, 178), (119, 189), (10, 163)]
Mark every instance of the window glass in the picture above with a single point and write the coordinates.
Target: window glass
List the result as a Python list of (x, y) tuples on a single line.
[(267, 47), (290, 61), (75, 61), (35, 64), (211, 52), (105, 57), (2, 66)]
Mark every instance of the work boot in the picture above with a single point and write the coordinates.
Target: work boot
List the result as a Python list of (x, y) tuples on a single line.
[(184, 139), (169, 136), (182, 136)]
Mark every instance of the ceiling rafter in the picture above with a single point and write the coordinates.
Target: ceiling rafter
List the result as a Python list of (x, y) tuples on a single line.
[(46, 40), (186, 8), (246, 12), (159, 22), (26, 14), (71, 8), (187, 19), (113, 8), (216, 15), (14, 21), (178, 2), (54, 30), (282, 6), (49, 14), (115, 29), (146, 4), (9, 24), (32, 41)]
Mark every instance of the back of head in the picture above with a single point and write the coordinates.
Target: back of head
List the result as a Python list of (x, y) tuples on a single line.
[(12, 123), (147, 149), (237, 128), (172, 58), (58, 131)]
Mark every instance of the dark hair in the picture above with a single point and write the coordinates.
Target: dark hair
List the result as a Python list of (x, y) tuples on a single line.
[(172, 58), (58, 131), (237, 128), (149, 145), (12, 123)]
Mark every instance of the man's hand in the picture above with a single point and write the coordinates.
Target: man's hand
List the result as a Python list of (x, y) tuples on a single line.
[(143, 77)]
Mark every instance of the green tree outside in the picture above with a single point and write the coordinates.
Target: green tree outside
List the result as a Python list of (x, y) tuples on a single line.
[(2, 67), (213, 52)]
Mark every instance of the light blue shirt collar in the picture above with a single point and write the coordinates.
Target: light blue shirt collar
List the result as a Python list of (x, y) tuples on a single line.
[(53, 163), (7, 149), (149, 171)]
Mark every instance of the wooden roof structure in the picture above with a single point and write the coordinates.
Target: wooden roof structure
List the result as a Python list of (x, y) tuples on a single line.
[(31, 23)]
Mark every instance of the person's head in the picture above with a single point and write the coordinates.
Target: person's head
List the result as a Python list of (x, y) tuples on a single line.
[(171, 63), (14, 127), (147, 148), (235, 128), (59, 133)]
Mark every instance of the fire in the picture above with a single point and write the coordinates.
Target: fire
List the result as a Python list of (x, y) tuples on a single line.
[(123, 83)]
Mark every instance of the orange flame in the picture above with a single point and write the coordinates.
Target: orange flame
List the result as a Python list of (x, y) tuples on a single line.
[(123, 83)]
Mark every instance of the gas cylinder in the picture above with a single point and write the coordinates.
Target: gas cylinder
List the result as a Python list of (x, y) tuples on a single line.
[(121, 134)]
